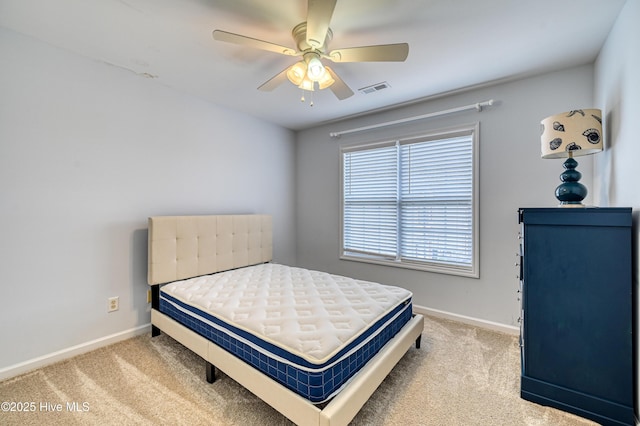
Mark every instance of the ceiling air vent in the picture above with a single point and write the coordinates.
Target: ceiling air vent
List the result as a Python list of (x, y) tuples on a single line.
[(374, 88)]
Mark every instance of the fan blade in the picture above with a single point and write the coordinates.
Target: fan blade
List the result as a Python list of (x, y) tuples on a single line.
[(252, 42), (319, 14), (380, 53), (275, 81), (339, 88)]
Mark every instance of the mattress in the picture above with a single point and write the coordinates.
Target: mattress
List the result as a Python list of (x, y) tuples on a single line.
[(310, 331)]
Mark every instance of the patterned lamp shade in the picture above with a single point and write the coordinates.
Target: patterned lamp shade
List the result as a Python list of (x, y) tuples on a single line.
[(573, 133), (577, 132)]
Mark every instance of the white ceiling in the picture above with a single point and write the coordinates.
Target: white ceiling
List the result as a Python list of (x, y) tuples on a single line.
[(453, 44)]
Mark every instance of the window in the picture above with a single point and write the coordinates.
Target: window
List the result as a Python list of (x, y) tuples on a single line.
[(412, 202)]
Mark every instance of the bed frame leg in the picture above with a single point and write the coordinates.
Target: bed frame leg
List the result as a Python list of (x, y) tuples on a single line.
[(418, 340), (155, 331), (155, 304), (211, 372), (155, 297)]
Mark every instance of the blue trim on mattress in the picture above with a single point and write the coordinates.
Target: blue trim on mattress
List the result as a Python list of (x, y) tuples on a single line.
[(318, 383)]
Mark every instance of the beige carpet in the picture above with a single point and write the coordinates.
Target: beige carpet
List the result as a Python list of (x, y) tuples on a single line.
[(462, 375)]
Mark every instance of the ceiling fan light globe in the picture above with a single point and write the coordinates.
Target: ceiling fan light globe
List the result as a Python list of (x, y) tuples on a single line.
[(325, 81), (297, 72), (307, 84), (315, 69)]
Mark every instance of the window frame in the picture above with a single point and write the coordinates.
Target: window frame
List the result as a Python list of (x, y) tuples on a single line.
[(471, 271)]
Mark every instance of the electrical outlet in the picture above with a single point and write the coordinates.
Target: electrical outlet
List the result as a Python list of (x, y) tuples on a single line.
[(148, 296), (113, 304)]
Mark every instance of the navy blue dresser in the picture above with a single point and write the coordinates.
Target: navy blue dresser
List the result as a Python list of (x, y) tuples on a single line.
[(577, 311)]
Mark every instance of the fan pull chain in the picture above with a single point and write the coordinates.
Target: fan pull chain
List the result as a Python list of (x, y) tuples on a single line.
[(302, 98)]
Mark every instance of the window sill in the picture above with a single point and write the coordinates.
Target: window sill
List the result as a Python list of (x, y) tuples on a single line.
[(426, 267)]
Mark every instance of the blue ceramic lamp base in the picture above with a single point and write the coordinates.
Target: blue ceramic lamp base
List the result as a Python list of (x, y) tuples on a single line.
[(570, 192)]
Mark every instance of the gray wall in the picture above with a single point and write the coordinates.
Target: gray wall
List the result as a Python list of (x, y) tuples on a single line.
[(87, 153), (512, 175), (617, 92)]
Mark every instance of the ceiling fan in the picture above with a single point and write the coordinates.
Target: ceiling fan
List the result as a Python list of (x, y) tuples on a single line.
[(312, 38)]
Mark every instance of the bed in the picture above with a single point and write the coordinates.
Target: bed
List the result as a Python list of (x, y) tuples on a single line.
[(313, 345)]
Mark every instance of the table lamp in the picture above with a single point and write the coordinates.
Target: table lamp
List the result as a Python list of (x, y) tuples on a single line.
[(571, 134)]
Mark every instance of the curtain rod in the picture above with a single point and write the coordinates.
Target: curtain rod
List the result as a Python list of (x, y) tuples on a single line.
[(478, 106)]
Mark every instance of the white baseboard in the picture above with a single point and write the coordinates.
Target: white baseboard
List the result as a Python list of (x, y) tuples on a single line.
[(490, 325), (32, 364)]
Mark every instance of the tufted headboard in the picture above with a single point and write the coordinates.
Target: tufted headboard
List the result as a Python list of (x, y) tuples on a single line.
[(182, 247)]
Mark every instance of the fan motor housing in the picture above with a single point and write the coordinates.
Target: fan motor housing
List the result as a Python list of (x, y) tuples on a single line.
[(299, 34)]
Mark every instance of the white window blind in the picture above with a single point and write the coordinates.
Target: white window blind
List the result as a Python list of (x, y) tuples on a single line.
[(412, 203), (371, 201)]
